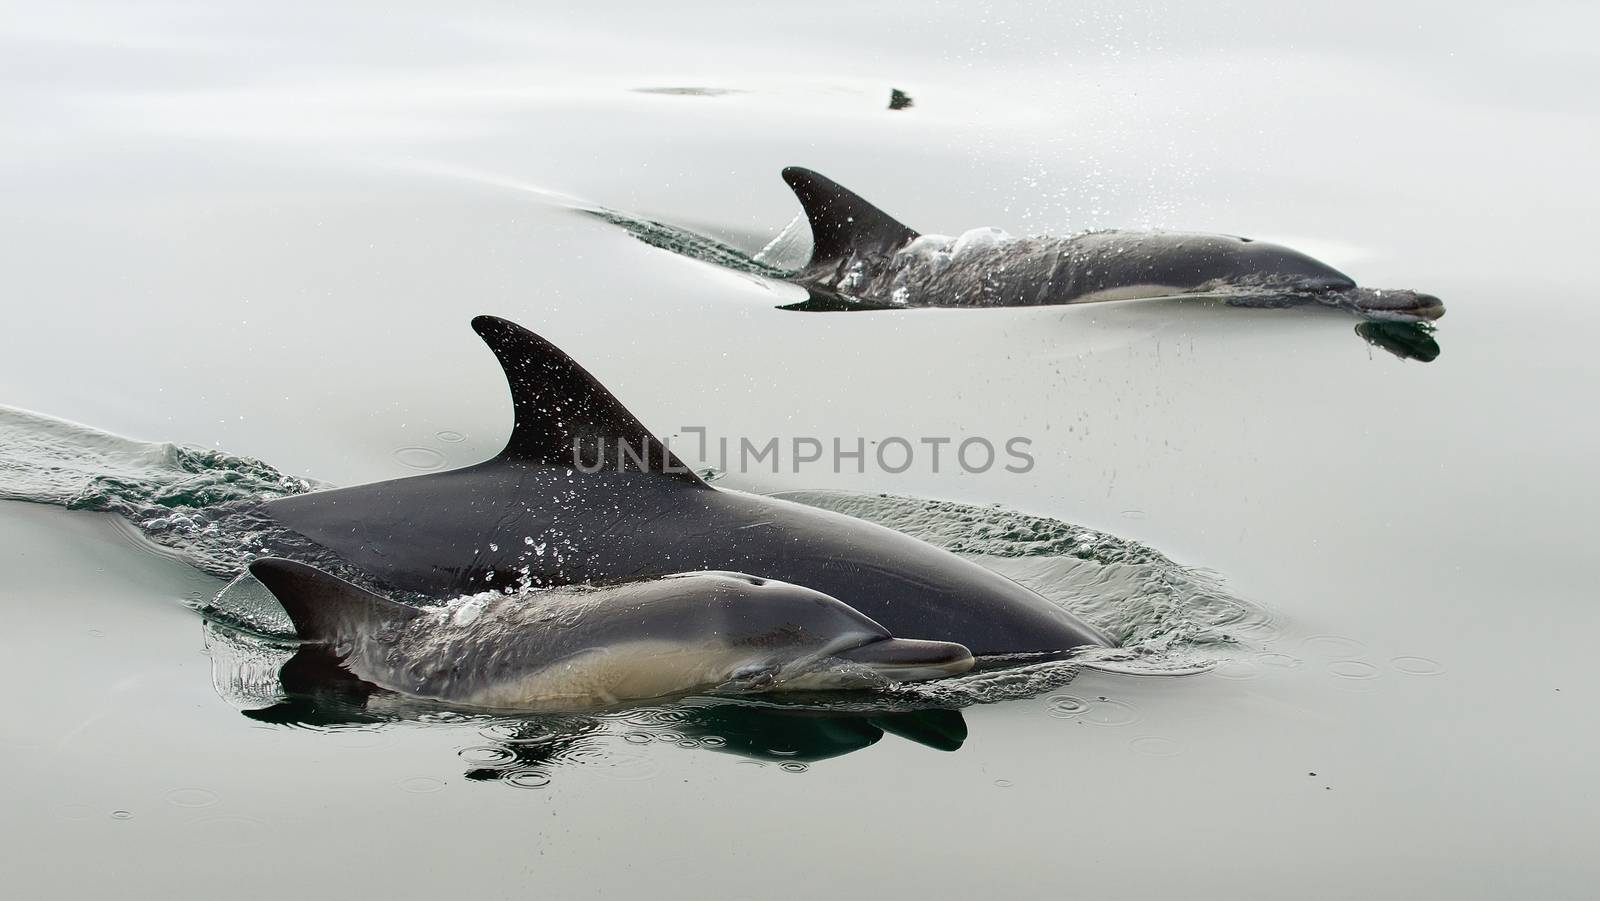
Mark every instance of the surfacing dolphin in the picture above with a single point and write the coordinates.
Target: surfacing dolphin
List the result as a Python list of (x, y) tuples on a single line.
[(584, 494), (584, 647), (865, 259)]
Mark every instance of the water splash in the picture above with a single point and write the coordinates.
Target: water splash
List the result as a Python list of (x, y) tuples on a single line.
[(791, 248), (1168, 618)]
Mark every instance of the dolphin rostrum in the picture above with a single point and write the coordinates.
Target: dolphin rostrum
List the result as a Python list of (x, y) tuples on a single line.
[(561, 648), (584, 494), (862, 258)]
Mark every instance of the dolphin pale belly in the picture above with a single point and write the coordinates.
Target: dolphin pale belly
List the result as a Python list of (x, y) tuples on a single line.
[(564, 648), (584, 494), (863, 258)]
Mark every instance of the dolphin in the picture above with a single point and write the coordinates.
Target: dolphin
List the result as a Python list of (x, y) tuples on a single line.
[(583, 493), (862, 258), (585, 646)]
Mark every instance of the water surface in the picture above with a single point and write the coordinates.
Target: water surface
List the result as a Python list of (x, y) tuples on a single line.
[(262, 232)]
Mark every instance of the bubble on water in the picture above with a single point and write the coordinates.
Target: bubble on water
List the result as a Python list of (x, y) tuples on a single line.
[(529, 779), (191, 797), (1156, 746), (450, 436), (421, 785), (1417, 666), (1353, 669), (231, 831), (793, 766), (1333, 647), (688, 743), (713, 741), (485, 755), (1002, 783), (121, 815), (423, 458)]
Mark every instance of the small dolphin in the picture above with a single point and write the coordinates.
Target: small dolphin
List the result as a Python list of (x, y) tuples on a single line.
[(865, 259), (583, 493), (562, 648)]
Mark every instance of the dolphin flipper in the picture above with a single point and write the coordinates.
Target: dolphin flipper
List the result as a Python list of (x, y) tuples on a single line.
[(563, 415), (820, 301), (842, 224)]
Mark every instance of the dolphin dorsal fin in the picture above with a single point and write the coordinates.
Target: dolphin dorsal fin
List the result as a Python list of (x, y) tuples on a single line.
[(324, 607), (564, 416), (842, 224)]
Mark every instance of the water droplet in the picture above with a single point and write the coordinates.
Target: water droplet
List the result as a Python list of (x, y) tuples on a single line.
[(793, 766), (421, 785), (1108, 712), (1282, 660), (638, 738), (1002, 783), (1156, 746), (1417, 666), (527, 779), (1066, 706), (1353, 669), (121, 815), (419, 457), (191, 797), (450, 436), (485, 755)]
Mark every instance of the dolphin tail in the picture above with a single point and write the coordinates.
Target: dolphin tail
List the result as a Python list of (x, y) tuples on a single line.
[(324, 607), (842, 224)]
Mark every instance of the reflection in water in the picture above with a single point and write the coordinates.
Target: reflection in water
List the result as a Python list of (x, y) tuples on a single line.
[(1406, 340)]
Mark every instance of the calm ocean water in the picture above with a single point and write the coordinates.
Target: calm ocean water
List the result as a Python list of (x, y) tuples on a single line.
[(262, 232)]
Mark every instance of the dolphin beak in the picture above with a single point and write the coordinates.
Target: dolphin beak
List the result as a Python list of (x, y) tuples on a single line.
[(908, 660)]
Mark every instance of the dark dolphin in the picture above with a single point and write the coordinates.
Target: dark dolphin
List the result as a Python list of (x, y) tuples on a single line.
[(865, 259), (584, 494)]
